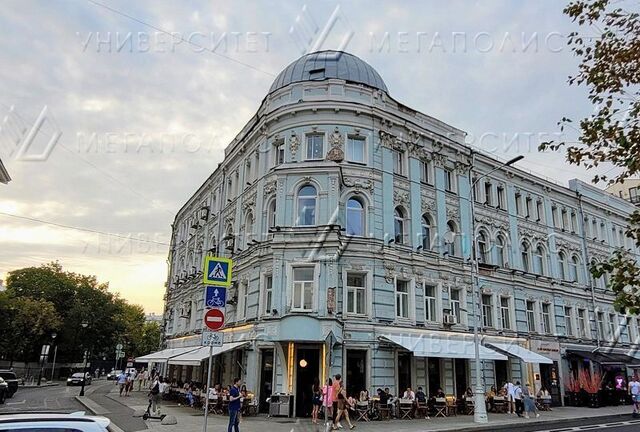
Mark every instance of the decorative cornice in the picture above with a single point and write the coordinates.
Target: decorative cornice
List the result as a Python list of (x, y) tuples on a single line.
[(401, 198)]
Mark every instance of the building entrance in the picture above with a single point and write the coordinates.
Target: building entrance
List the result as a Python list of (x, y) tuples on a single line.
[(307, 371)]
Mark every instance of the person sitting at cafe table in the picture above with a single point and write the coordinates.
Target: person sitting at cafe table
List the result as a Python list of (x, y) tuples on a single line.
[(364, 396), (421, 396), (391, 402), (439, 393), (468, 394), (489, 398), (409, 394)]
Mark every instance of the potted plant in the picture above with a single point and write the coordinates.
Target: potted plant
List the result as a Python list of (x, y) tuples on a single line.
[(572, 390), (591, 384)]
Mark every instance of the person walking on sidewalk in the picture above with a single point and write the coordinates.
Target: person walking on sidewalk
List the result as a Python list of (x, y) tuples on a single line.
[(327, 401), (517, 396), (139, 379), (529, 402), (155, 394), (122, 382), (634, 391), (234, 406), (509, 389)]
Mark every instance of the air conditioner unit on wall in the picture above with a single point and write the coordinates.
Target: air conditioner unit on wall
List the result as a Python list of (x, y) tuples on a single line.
[(449, 319)]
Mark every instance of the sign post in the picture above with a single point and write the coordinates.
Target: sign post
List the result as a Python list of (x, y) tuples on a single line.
[(217, 277)]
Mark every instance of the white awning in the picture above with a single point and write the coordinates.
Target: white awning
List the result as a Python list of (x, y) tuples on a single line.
[(450, 347), (520, 352), (164, 355), (194, 358)]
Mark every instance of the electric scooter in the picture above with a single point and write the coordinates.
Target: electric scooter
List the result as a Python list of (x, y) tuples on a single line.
[(147, 414)]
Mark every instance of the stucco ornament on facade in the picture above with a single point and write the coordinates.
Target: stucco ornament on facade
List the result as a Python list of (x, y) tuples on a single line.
[(294, 144), (400, 198), (270, 187)]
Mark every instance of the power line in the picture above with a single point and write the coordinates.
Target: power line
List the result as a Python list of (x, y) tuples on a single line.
[(59, 225), (178, 37)]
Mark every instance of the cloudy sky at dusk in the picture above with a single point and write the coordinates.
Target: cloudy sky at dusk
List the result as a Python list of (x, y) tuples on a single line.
[(146, 95)]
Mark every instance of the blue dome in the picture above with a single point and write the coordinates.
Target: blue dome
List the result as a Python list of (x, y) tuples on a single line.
[(322, 65)]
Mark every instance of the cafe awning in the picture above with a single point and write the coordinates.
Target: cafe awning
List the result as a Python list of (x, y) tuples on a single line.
[(514, 350), (426, 345), (194, 358), (164, 355), (602, 355)]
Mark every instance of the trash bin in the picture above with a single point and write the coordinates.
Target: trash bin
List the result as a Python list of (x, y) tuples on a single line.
[(281, 405)]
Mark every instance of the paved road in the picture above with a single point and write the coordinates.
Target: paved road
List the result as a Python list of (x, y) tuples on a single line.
[(117, 409), (617, 423), (54, 398)]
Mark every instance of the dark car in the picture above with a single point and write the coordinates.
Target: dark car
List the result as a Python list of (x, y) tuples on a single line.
[(11, 380), (76, 379), (4, 389), (113, 375)]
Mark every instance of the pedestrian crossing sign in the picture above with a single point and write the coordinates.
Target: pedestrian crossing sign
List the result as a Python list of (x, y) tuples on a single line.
[(217, 271)]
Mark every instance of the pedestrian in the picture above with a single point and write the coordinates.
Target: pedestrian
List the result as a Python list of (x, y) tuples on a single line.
[(122, 382), (529, 402), (140, 379), (509, 388), (154, 395), (634, 391), (517, 396), (327, 401), (343, 409), (130, 380), (337, 383), (234, 406), (316, 391)]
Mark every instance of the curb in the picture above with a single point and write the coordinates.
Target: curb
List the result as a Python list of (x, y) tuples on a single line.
[(83, 401), (557, 423)]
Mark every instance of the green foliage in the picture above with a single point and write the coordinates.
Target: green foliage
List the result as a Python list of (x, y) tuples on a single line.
[(610, 69)]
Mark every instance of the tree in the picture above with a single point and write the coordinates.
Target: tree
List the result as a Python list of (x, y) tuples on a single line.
[(610, 70), (149, 339)]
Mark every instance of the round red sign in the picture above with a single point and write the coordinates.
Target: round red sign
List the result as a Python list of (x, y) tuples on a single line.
[(214, 319)]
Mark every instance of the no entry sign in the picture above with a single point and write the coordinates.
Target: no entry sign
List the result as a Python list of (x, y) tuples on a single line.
[(214, 319)]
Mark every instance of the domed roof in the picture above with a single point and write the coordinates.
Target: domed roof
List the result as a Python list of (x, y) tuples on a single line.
[(322, 65)]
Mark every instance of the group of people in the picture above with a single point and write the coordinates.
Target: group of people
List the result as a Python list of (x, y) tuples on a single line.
[(127, 379), (333, 397), (520, 399)]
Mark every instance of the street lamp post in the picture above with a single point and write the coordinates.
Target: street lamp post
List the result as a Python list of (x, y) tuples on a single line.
[(55, 353), (480, 409), (84, 325)]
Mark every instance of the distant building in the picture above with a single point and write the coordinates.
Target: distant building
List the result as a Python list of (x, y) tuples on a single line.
[(2, 287), (153, 318), (629, 190), (4, 174)]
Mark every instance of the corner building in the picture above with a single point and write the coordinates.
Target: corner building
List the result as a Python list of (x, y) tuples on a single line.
[(348, 218)]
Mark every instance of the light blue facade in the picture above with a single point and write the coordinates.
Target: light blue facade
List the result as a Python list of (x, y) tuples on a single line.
[(231, 214)]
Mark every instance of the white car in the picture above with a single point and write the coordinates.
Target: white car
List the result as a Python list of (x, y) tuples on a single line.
[(55, 422)]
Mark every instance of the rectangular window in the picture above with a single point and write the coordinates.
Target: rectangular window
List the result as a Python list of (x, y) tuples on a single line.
[(554, 214), (268, 295), (574, 223), (528, 207), (487, 310), (613, 326), (582, 324), (540, 211), (600, 316), (565, 220), (455, 295), (278, 152), (546, 318), (402, 299), (449, 181), (426, 173), (488, 198), (243, 296), (303, 288), (519, 204), (315, 146), (594, 229), (505, 312), (568, 321), (531, 316), (356, 293), (501, 204), (356, 149), (398, 162), (430, 303)]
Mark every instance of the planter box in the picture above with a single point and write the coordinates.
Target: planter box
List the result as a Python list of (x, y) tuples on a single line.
[(571, 399), (594, 400)]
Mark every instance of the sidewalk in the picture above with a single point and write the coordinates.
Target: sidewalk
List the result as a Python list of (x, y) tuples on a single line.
[(190, 420), (102, 398)]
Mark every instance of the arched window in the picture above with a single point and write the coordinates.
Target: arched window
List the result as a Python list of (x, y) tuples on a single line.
[(483, 249), (573, 268), (355, 217), (248, 228), (307, 196), (500, 253), (540, 260), (526, 258), (271, 214), (562, 265), (398, 225), (450, 238), (426, 232)]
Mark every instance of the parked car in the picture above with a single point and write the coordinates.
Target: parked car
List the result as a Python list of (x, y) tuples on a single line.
[(113, 374), (11, 380), (76, 379), (4, 389), (77, 422)]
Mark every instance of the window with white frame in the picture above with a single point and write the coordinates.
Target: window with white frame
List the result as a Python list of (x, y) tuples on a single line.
[(307, 196), (565, 219), (574, 222), (451, 238), (573, 269), (430, 303), (554, 214), (455, 302), (398, 162), (594, 229), (355, 217), (531, 316), (528, 207), (356, 149), (303, 288), (487, 310), (267, 295), (568, 320), (526, 256), (582, 324), (562, 265), (540, 210), (613, 326), (271, 214), (540, 260), (601, 328), (505, 312), (402, 298), (500, 252), (356, 293), (488, 193), (399, 225), (483, 248), (315, 146), (278, 152), (501, 202), (518, 204), (248, 229), (426, 172), (449, 180), (243, 296), (545, 318), (426, 232)]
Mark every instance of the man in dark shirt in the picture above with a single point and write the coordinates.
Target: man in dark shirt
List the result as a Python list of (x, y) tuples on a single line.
[(384, 398), (234, 406), (420, 396)]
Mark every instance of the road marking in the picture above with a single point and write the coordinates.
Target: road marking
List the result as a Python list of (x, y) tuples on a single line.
[(599, 426), (16, 403)]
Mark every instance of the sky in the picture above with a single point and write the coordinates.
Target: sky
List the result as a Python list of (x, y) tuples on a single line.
[(114, 112)]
